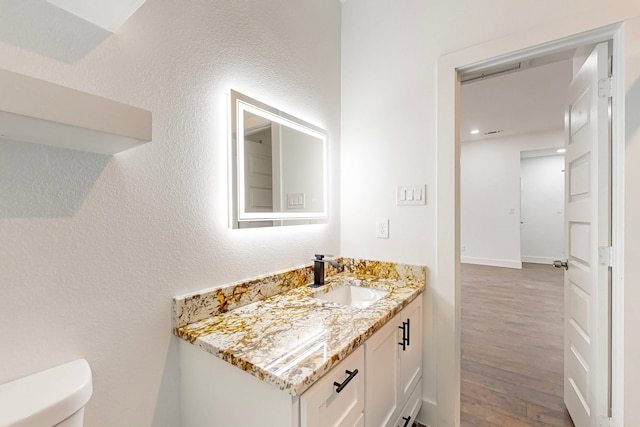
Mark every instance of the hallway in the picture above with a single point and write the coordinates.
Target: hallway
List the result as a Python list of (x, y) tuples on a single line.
[(512, 347)]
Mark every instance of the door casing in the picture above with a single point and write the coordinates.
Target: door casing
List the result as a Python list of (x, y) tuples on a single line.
[(447, 271)]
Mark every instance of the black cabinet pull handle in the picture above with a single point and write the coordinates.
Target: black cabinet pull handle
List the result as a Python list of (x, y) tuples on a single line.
[(408, 332), (344, 383), (405, 335), (406, 421)]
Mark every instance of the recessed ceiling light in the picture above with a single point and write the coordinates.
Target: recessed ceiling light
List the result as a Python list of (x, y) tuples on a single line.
[(475, 131), (561, 150)]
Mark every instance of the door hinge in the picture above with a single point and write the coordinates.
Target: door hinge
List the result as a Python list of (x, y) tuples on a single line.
[(605, 87), (605, 256)]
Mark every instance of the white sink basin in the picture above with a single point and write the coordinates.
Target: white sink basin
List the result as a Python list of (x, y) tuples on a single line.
[(353, 296)]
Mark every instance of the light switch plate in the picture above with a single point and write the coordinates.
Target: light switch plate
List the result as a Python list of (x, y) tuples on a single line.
[(411, 195), (295, 201)]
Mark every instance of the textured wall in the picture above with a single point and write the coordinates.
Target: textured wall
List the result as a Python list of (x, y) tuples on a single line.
[(92, 247)]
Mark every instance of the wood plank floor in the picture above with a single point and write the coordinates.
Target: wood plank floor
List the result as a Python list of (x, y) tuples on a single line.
[(512, 347)]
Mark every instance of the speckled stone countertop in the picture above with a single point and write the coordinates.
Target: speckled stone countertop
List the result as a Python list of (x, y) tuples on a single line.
[(291, 339)]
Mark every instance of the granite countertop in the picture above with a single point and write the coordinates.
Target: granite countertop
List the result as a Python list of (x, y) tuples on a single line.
[(291, 339)]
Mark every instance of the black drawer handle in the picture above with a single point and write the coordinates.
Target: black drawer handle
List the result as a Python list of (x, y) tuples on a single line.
[(346, 381), (406, 421)]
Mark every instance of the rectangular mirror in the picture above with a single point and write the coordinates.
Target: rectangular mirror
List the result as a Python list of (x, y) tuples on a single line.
[(278, 166)]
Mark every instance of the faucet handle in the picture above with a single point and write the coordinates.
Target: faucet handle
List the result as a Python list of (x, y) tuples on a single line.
[(320, 259)]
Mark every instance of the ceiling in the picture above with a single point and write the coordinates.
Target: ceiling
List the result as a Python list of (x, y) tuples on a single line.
[(524, 101)]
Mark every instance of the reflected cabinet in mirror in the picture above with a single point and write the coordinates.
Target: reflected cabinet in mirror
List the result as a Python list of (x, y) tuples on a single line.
[(278, 166)]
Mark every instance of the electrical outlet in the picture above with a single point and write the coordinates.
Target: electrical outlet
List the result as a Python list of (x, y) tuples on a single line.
[(382, 229)]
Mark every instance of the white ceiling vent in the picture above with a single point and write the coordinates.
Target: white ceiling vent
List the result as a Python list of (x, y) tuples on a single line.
[(107, 14)]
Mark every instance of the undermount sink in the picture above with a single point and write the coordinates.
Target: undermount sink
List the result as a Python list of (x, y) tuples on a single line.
[(352, 296)]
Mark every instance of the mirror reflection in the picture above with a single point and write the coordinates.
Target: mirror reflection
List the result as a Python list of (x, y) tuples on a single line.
[(279, 166)]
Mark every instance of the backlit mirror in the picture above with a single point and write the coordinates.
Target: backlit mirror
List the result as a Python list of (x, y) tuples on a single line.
[(278, 166)]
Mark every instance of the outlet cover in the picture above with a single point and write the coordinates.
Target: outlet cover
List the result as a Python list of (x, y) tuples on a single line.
[(382, 229)]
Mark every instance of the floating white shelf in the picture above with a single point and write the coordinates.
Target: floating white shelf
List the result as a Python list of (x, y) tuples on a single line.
[(34, 110)]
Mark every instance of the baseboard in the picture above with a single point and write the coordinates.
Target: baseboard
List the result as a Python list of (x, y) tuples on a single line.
[(538, 260), (427, 416), (492, 262)]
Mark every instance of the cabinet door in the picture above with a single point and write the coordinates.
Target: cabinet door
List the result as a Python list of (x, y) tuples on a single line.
[(324, 406), (381, 353), (411, 352)]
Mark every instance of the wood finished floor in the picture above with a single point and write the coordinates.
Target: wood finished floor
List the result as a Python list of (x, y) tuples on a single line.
[(512, 347)]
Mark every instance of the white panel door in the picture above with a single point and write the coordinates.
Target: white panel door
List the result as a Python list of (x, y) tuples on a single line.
[(258, 176), (258, 179), (587, 228)]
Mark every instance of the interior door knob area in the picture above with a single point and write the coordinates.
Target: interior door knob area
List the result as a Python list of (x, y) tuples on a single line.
[(561, 264)]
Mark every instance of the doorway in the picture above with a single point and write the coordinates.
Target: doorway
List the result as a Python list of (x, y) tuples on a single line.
[(447, 283), (542, 206), (511, 229)]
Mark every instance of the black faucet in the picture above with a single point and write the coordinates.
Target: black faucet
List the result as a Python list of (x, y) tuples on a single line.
[(318, 269)]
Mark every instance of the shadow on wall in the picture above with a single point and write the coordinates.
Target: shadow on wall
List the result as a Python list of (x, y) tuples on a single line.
[(38, 181), (42, 28)]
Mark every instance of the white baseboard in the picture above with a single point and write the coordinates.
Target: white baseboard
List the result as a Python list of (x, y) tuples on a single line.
[(427, 416), (538, 260), (492, 262)]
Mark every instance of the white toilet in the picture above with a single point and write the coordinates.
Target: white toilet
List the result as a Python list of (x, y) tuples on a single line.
[(55, 397)]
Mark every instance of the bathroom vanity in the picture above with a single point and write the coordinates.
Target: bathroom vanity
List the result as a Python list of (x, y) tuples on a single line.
[(274, 352)]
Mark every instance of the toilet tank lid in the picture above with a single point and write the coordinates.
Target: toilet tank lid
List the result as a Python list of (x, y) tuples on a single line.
[(46, 398)]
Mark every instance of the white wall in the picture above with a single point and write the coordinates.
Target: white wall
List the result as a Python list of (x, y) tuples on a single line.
[(390, 54), (93, 248), (490, 196), (542, 209)]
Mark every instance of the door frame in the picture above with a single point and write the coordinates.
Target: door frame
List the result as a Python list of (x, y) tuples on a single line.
[(446, 284)]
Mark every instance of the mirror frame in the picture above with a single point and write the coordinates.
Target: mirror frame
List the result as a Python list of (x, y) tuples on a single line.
[(238, 104)]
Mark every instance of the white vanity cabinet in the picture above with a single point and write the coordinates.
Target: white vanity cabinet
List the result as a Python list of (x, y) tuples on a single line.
[(393, 376), (378, 385)]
